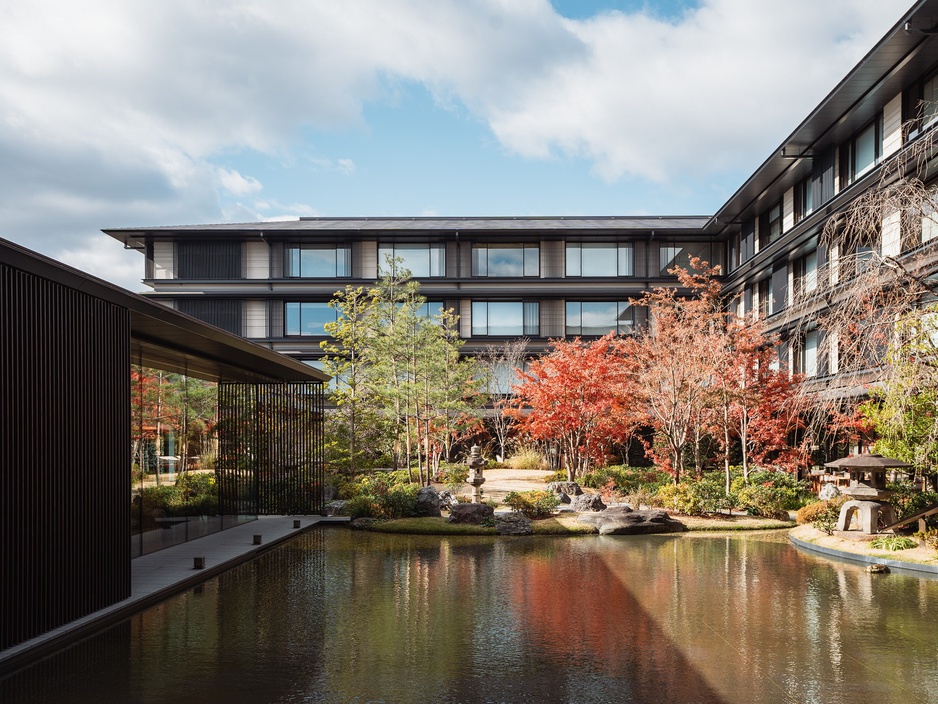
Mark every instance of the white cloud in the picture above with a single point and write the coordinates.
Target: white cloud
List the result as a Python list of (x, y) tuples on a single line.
[(236, 184), (116, 113)]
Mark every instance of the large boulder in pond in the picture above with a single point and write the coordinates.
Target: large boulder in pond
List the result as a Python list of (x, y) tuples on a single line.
[(588, 502), (621, 520), (568, 488), (514, 523), (470, 513), (428, 502)]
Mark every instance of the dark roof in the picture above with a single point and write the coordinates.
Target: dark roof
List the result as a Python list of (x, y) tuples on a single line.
[(166, 339), (883, 73), (424, 225)]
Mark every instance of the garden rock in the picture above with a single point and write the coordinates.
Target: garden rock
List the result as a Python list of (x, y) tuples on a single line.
[(564, 498), (361, 523), (447, 499), (329, 493), (514, 523), (470, 513), (588, 502), (334, 508), (828, 492), (621, 520), (428, 502), (569, 488)]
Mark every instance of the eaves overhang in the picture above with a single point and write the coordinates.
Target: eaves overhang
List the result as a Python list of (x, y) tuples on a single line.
[(907, 51), (166, 339), (135, 238)]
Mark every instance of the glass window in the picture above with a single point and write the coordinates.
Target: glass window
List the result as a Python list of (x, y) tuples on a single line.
[(680, 254), (806, 355), (599, 259), (774, 221), (863, 152), (308, 318), (599, 317), (505, 260), (505, 318), (804, 199), (929, 223), (318, 261), (421, 260), (806, 272), (930, 101), (430, 309), (766, 300)]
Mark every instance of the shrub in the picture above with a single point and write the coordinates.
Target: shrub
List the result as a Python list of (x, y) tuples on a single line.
[(526, 459), (559, 476), (534, 504), (771, 494), (929, 537), (362, 506), (908, 500), (639, 497), (809, 513), (695, 498), (678, 498), (893, 542), (399, 501), (453, 475)]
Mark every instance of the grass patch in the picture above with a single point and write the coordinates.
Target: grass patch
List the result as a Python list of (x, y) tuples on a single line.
[(561, 525), (428, 526), (727, 523)]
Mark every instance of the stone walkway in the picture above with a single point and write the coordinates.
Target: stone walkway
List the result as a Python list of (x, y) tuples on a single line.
[(498, 482), (161, 574)]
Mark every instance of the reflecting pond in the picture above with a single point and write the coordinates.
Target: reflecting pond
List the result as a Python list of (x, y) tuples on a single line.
[(340, 616)]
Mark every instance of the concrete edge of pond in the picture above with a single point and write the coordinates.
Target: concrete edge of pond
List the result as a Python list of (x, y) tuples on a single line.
[(165, 573), (862, 558)]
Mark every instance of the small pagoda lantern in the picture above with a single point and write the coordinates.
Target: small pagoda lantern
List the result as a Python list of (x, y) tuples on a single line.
[(867, 475), (867, 491), (476, 463)]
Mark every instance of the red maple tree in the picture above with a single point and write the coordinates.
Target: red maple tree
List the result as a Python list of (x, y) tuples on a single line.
[(575, 396)]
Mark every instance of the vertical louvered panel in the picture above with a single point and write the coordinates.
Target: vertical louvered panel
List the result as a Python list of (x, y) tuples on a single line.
[(64, 509)]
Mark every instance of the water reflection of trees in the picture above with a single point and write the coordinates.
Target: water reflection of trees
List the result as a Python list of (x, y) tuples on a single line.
[(796, 625)]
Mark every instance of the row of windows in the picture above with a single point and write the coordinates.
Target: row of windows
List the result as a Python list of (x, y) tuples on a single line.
[(428, 260), (489, 318)]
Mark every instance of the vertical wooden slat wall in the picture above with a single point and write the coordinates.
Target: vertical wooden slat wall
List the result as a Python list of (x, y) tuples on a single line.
[(64, 473), (270, 439)]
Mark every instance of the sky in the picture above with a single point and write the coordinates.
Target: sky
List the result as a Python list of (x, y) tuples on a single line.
[(135, 113)]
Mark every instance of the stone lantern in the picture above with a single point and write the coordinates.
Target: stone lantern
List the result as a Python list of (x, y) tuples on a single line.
[(476, 463), (867, 491)]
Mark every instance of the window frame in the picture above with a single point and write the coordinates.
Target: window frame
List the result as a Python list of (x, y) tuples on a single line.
[(529, 309), (287, 331), (294, 252), (435, 264), (530, 259), (617, 325), (624, 259)]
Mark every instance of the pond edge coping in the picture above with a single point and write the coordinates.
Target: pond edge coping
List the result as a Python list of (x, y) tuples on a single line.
[(867, 559)]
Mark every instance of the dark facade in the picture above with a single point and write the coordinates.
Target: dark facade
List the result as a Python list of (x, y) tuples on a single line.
[(64, 508)]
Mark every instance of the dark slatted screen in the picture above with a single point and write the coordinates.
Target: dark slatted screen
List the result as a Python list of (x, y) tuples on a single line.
[(224, 313), (64, 463), (270, 454), (208, 260)]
